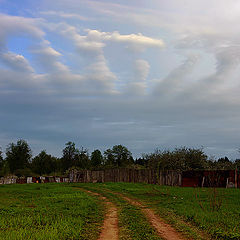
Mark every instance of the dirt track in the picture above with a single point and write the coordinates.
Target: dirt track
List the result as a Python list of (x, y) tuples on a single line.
[(110, 225), (164, 230), (110, 229)]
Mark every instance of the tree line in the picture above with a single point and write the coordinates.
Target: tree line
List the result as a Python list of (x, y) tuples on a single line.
[(19, 160)]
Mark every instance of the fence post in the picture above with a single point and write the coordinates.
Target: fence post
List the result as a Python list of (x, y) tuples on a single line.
[(235, 177)]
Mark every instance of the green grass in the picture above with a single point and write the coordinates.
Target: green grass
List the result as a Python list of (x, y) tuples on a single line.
[(48, 211), (132, 223), (180, 207), (62, 211)]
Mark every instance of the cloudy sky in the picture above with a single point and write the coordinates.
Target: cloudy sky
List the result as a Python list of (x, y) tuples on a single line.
[(145, 74)]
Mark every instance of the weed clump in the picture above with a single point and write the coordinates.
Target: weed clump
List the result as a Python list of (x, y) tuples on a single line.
[(213, 202)]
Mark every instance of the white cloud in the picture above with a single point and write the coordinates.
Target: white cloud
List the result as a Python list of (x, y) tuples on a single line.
[(95, 40), (47, 57), (82, 43), (49, 51), (100, 77), (137, 86), (18, 26), (20, 82), (16, 62), (134, 41), (175, 83), (199, 110)]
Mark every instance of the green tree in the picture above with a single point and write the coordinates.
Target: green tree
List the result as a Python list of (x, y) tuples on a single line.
[(73, 157), (224, 164), (18, 155), (81, 159), (178, 159), (1, 160), (69, 155), (141, 161), (190, 158), (44, 163), (118, 156), (96, 158), (152, 159), (109, 158), (1, 164)]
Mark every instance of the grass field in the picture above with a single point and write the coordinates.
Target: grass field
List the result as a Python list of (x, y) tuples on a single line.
[(188, 209), (48, 211), (64, 211)]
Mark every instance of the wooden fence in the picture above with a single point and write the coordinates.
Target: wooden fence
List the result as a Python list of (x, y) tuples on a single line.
[(170, 178), (211, 178)]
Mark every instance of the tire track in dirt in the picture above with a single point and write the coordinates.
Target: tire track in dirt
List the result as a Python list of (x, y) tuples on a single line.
[(110, 229), (164, 230)]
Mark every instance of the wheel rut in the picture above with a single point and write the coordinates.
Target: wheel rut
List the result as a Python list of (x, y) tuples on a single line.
[(164, 230), (110, 225), (110, 230)]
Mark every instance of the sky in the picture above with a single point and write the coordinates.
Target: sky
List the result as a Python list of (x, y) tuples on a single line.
[(144, 74)]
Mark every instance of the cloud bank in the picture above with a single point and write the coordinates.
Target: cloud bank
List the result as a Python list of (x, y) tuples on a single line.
[(154, 76)]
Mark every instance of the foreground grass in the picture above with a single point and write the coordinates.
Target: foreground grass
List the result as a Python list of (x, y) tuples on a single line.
[(48, 211), (180, 206), (132, 223), (61, 211)]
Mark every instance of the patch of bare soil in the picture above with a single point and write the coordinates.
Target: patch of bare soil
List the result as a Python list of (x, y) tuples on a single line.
[(164, 230), (110, 224)]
